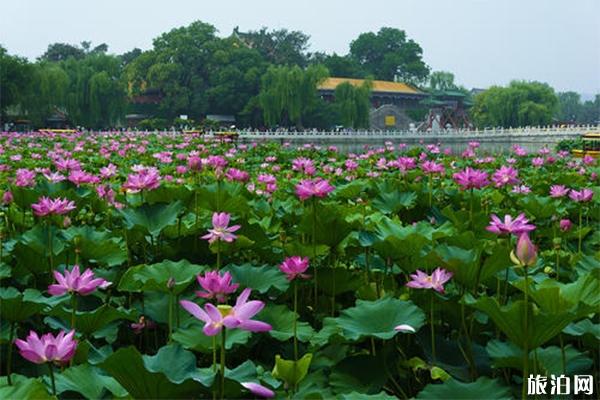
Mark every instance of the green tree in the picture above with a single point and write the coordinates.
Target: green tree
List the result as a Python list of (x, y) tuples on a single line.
[(290, 93), (342, 66), (62, 51), (280, 46), (15, 82), (442, 80), (569, 106), (353, 104), (590, 111), (388, 54), (177, 66), (520, 104)]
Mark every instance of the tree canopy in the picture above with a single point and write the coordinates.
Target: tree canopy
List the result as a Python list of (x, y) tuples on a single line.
[(519, 104), (389, 54)]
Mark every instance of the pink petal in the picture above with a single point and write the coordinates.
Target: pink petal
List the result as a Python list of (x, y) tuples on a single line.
[(195, 310)]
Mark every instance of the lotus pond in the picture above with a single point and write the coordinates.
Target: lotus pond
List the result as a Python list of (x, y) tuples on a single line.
[(160, 265)]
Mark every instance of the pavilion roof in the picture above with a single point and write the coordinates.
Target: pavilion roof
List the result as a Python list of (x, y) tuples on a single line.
[(378, 86)]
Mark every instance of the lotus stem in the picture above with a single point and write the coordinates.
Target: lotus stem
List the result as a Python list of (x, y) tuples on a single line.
[(73, 309), (430, 184), (314, 246), (9, 355), (170, 315), (218, 255), (432, 328), (580, 229), (525, 339), (295, 331), (223, 339), (52, 378), (50, 246), (562, 353)]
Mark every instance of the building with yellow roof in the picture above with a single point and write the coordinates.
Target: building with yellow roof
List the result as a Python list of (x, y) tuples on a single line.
[(389, 100)]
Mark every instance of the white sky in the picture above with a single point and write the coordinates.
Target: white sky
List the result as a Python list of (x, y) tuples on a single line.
[(483, 42)]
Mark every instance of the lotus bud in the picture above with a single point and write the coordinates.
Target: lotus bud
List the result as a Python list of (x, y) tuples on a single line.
[(526, 253), (66, 222), (565, 225), (171, 283)]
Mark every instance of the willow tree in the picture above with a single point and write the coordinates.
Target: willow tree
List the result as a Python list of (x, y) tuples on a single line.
[(288, 94), (353, 104)]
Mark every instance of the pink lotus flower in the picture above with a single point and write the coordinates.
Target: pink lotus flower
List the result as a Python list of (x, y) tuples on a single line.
[(221, 231), (46, 206), (295, 266), (557, 191), (80, 177), (505, 176), (313, 188), (526, 252), (7, 197), (75, 282), (216, 286), (238, 316), (431, 167), (581, 196), (24, 177), (471, 178), (303, 165), (48, 348), (142, 324), (565, 225), (516, 227), (234, 174), (435, 281), (146, 179), (537, 162), (258, 389), (405, 164), (404, 328), (54, 177)]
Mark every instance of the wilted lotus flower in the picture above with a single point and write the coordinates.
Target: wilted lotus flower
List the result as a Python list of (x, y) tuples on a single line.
[(74, 282), (7, 197), (48, 349), (420, 280), (142, 324), (516, 227), (216, 286), (221, 231), (526, 253), (295, 266), (46, 206)]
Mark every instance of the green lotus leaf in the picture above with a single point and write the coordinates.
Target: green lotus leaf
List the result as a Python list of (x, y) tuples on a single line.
[(281, 319), (89, 381), (154, 277), (463, 263), (152, 218), (482, 388), (393, 202), (97, 246), (260, 279), (362, 373), (379, 318), (510, 319), (89, 322), (362, 396), (16, 306), (192, 337), (24, 388), (583, 327), (291, 372), (128, 367)]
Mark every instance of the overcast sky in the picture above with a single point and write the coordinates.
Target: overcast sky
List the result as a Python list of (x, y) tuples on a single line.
[(483, 42)]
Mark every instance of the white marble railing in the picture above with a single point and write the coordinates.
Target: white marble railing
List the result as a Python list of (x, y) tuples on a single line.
[(527, 131)]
